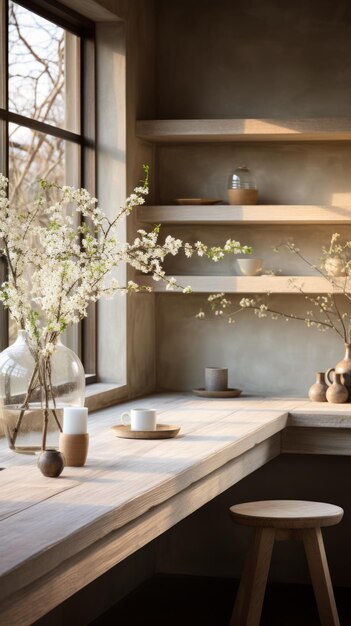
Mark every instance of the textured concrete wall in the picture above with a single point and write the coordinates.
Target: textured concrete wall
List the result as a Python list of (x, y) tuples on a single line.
[(247, 59), (262, 356), (253, 59)]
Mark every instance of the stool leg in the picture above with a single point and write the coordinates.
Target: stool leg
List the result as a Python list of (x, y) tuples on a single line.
[(319, 570), (249, 599)]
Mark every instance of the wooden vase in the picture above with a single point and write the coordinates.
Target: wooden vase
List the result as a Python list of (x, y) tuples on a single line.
[(74, 448), (242, 196), (318, 391)]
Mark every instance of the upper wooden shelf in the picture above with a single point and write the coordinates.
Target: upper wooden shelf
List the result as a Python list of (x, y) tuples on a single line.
[(309, 129), (246, 284), (256, 214)]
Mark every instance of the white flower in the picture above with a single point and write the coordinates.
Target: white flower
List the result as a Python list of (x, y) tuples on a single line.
[(171, 284), (61, 258), (188, 250), (247, 302), (215, 296), (56, 267)]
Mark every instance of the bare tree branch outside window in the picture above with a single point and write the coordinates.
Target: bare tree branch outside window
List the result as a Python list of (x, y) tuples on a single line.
[(37, 89)]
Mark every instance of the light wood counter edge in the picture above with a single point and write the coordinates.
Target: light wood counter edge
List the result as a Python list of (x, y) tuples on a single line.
[(35, 600)]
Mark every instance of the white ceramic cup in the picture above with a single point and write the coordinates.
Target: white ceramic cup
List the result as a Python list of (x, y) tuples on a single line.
[(140, 419), (249, 267)]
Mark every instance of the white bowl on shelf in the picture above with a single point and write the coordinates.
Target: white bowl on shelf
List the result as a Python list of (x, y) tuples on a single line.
[(249, 267)]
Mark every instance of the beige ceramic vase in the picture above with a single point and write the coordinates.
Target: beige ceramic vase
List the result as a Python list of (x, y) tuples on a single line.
[(335, 266), (337, 392), (318, 391), (344, 368)]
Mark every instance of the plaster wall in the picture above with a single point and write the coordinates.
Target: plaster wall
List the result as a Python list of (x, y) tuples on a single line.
[(140, 103), (254, 58), (125, 92), (229, 59)]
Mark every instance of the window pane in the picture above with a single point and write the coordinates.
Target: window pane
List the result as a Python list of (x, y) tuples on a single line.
[(2, 55), (43, 69), (32, 156)]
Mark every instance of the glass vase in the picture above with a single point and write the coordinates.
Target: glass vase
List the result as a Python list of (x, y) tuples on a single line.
[(34, 391)]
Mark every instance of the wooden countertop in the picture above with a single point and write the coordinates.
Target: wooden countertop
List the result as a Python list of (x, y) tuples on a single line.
[(57, 535)]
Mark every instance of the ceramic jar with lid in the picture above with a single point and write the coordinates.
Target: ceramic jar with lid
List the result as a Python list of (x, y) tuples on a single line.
[(242, 187)]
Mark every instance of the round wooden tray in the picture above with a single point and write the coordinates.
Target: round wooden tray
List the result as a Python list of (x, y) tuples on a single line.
[(163, 431), (196, 201), (227, 393)]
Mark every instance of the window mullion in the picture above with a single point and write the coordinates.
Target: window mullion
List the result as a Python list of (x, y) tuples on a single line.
[(3, 148), (3, 86), (88, 163), (42, 127)]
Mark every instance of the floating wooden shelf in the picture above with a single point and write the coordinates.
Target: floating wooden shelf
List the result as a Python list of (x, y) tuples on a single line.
[(247, 284), (311, 129), (256, 214)]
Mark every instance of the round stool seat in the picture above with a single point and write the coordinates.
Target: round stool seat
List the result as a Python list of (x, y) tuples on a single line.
[(288, 514)]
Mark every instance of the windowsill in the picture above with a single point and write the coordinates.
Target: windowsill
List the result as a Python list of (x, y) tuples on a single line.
[(101, 395)]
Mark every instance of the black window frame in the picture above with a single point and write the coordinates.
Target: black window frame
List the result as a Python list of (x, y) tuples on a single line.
[(85, 29)]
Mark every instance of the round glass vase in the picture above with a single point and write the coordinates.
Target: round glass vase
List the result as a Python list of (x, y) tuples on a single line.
[(34, 392)]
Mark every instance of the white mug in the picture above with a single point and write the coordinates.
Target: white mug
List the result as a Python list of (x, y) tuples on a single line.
[(140, 419)]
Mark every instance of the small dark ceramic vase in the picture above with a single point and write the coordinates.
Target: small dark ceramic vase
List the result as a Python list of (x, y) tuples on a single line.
[(318, 391), (51, 463), (216, 378), (337, 392)]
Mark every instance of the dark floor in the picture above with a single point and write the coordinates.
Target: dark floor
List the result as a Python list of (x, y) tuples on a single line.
[(202, 601)]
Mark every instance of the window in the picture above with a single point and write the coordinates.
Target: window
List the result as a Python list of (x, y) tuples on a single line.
[(47, 67)]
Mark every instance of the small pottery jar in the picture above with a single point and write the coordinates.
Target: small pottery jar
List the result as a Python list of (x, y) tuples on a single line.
[(337, 392), (51, 463), (318, 391)]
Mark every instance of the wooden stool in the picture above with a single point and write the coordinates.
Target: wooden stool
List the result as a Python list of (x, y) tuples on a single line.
[(281, 520)]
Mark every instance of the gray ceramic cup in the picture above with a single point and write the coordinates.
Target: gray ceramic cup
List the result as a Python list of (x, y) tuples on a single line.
[(216, 378)]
